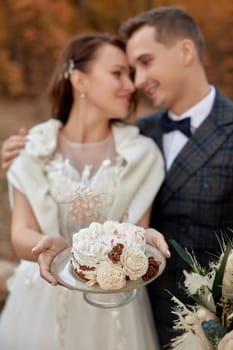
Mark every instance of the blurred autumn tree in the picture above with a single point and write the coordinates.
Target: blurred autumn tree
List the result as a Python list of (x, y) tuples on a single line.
[(32, 32)]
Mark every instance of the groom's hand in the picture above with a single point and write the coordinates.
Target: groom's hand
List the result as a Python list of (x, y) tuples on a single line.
[(11, 148)]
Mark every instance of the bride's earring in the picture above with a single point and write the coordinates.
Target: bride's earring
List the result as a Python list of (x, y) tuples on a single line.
[(83, 95)]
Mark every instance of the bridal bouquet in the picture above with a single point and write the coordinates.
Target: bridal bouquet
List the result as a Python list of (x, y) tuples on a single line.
[(208, 325)]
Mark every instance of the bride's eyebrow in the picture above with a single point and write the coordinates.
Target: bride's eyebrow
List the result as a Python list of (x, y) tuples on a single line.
[(121, 67)]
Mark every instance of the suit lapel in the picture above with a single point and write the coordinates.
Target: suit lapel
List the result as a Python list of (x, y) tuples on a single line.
[(200, 147), (152, 128)]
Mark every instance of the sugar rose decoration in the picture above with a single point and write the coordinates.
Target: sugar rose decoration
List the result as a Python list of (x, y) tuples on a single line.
[(134, 262), (110, 276), (112, 253)]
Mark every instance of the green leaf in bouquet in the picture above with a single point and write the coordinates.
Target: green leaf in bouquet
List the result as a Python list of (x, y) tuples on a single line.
[(217, 284), (185, 255), (189, 258)]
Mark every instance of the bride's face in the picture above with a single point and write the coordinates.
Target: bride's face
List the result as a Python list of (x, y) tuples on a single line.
[(108, 86)]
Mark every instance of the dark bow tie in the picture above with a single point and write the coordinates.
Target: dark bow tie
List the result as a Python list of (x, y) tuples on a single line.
[(169, 125)]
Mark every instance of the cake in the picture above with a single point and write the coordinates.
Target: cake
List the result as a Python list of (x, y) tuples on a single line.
[(111, 253)]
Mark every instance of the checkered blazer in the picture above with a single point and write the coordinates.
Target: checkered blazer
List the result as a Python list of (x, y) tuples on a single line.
[(195, 201)]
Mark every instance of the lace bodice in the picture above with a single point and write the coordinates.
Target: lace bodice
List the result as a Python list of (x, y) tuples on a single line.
[(82, 188), (83, 154)]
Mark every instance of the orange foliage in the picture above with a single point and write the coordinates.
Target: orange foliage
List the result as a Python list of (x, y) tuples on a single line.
[(32, 33)]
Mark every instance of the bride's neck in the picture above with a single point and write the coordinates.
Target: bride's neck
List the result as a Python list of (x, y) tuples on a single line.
[(86, 126)]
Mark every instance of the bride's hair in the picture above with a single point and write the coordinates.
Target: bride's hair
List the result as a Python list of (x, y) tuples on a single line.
[(77, 54)]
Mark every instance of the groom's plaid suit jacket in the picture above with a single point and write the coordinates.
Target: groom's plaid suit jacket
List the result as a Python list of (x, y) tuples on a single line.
[(196, 200)]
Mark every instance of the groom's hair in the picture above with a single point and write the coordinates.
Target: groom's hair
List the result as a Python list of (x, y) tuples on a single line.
[(171, 23)]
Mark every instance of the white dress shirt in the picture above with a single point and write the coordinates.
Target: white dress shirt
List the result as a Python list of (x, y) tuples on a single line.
[(175, 140)]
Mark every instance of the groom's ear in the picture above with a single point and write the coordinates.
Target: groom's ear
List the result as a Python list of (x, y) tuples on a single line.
[(188, 51)]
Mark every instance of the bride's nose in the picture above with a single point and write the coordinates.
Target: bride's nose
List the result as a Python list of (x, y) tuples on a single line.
[(129, 85)]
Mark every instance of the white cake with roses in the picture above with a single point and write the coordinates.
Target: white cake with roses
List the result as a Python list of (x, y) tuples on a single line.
[(111, 253)]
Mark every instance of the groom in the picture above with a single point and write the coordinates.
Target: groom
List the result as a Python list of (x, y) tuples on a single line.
[(194, 130)]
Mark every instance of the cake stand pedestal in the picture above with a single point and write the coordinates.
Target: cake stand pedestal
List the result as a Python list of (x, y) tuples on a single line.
[(110, 300)]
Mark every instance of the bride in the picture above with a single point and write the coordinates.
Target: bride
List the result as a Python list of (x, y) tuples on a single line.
[(85, 152)]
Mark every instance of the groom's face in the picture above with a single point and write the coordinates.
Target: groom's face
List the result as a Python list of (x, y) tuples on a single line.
[(159, 69)]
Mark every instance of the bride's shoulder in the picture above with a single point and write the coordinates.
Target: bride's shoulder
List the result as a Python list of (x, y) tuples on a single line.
[(42, 138)]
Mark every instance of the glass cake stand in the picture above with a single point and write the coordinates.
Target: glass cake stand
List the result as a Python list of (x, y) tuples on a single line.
[(110, 300), (62, 270)]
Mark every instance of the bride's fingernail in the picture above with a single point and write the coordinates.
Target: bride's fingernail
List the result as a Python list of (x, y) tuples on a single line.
[(168, 253)]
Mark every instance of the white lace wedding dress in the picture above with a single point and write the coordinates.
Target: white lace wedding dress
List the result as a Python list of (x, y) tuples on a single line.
[(40, 316)]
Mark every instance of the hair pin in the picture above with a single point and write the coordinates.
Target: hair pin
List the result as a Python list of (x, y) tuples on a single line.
[(70, 68)]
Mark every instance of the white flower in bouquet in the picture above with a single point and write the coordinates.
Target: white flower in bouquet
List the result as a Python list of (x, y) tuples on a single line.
[(190, 320), (227, 287), (201, 287), (227, 342), (195, 282), (191, 341)]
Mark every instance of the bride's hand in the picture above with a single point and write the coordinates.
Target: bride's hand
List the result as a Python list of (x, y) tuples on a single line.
[(46, 249), (156, 239), (11, 148)]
